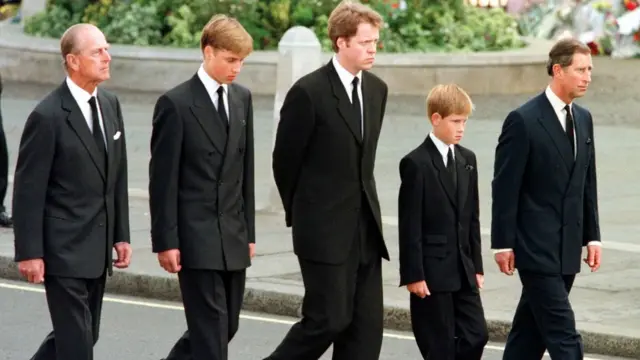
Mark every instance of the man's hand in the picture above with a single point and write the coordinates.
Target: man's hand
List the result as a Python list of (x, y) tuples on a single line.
[(594, 253), (419, 288), (33, 270), (506, 262), (252, 250), (123, 251), (480, 280), (170, 260)]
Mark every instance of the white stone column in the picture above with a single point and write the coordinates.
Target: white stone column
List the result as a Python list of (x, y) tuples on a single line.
[(300, 53), (29, 8)]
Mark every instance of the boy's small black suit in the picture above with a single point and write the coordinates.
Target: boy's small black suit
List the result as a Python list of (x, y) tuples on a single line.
[(439, 235)]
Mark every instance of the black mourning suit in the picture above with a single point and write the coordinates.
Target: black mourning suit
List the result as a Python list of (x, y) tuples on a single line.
[(202, 203), (323, 168), (5, 219), (70, 206), (439, 242), (545, 208)]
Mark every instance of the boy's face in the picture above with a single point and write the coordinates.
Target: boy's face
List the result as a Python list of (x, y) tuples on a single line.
[(449, 129), (222, 65)]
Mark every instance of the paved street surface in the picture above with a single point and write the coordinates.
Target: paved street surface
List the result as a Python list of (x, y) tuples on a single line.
[(136, 329), (605, 302)]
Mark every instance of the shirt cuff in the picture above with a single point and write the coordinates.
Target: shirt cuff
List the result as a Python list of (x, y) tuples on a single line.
[(594, 242), (495, 251)]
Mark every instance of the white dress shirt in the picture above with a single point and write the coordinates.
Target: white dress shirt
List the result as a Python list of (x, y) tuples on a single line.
[(559, 108), (212, 89), (443, 148), (82, 97), (347, 78)]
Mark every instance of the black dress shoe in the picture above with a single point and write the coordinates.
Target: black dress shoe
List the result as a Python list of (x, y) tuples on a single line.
[(5, 220)]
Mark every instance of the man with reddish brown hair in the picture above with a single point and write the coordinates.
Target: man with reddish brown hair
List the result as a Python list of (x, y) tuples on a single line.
[(323, 164), (201, 190)]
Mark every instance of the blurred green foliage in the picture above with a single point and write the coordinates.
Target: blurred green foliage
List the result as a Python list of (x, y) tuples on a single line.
[(419, 26)]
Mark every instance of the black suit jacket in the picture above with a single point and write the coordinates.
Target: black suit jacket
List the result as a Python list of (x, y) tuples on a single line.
[(322, 166), (545, 203), (439, 227), (67, 208), (201, 179)]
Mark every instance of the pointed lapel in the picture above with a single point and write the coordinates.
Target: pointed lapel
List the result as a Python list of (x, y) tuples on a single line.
[(237, 123), (463, 178), (443, 174), (344, 105), (581, 143), (368, 121), (205, 112), (108, 118), (78, 123), (550, 122)]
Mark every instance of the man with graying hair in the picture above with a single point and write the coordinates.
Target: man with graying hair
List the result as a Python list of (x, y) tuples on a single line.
[(70, 201)]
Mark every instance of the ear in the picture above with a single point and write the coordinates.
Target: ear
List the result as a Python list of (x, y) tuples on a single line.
[(342, 42), (556, 69), (208, 52), (435, 119)]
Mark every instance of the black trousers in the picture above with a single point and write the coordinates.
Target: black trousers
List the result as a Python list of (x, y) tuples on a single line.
[(449, 325), (4, 161), (544, 320), (75, 306), (212, 303), (342, 305)]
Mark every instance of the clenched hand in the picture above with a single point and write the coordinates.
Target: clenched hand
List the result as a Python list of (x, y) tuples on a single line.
[(33, 270), (419, 288), (170, 260)]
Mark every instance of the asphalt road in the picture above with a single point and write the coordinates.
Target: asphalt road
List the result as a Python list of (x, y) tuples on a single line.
[(137, 329)]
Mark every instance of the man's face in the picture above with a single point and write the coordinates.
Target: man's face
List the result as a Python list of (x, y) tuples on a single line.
[(91, 60), (575, 78), (359, 51), (449, 129), (222, 65)]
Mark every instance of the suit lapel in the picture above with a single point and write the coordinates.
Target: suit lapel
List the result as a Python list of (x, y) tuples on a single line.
[(580, 143), (78, 123), (463, 179), (237, 123), (108, 117), (344, 105), (205, 113), (550, 122), (443, 174)]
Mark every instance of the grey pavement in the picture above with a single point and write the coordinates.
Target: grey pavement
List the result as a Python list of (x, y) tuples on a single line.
[(606, 303), (137, 329)]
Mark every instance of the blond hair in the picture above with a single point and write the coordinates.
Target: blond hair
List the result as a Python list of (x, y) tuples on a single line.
[(345, 19), (447, 100), (223, 32)]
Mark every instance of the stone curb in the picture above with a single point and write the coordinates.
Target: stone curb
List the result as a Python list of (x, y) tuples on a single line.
[(283, 304)]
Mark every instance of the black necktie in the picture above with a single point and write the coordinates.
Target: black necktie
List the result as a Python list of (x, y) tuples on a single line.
[(451, 168), (97, 131), (570, 129), (221, 110), (355, 100)]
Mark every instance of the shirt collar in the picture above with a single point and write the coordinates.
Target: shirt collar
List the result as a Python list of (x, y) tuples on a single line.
[(78, 93), (345, 76), (441, 146), (556, 103), (209, 83)]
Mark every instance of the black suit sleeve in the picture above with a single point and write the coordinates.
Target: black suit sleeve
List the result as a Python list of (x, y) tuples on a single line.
[(248, 185), (297, 121), (474, 236), (33, 168), (511, 157), (122, 233), (410, 205), (164, 168), (591, 227)]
